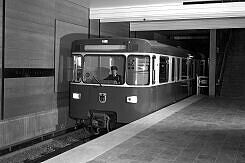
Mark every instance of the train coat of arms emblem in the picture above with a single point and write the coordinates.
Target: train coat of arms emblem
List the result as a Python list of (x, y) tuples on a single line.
[(102, 98)]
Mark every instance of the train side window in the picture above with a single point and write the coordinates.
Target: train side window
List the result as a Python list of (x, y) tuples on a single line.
[(77, 68), (173, 69), (202, 68), (197, 67), (190, 68), (194, 68), (178, 69), (163, 69), (184, 69), (138, 72), (153, 70)]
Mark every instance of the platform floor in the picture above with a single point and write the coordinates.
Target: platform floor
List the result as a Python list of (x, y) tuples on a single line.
[(199, 130)]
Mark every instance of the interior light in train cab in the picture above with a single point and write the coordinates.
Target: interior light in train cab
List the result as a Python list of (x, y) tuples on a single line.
[(104, 47)]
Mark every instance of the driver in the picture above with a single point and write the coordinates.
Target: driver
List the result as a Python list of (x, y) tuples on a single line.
[(114, 76)]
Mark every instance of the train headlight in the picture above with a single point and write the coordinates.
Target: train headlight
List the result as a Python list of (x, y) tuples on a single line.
[(132, 99), (76, 96)]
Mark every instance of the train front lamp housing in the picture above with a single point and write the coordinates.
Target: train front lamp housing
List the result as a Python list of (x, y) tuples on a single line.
[(76, 96), (132, 99)]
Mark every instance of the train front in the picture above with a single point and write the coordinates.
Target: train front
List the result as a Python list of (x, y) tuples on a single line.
[(109, 83)]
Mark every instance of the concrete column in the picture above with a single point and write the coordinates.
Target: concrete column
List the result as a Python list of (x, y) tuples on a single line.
[(212, 62)]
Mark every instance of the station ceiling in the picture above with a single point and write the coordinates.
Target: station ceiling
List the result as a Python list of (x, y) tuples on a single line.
[(189, 25)]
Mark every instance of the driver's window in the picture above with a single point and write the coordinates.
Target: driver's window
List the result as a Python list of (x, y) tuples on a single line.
[(104, 69)]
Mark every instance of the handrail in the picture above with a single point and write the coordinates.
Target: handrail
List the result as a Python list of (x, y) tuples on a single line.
[(220, 79), (202, 82)]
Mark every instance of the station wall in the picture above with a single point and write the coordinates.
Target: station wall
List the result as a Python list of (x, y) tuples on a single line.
[(30, 102), (37, 64), (1, 43), (115, 29)]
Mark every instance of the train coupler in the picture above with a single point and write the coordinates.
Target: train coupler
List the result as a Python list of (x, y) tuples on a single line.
[(102, 119)]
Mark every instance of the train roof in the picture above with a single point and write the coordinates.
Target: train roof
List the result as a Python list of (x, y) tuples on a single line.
[(127, 45)]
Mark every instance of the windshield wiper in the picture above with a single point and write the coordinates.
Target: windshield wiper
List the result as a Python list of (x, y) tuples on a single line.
[(97, 81)]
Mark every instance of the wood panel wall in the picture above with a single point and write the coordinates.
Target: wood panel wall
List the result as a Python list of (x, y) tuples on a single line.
[(120, 29), (1, 38), (94, 28), (29, 44), (31, 105), (17, 129), (71, 11), (29, 33)]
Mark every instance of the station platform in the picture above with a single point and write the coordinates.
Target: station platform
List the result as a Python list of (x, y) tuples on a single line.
[(198, 129)]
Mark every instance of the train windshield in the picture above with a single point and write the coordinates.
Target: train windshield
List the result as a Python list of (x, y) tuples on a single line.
[(104, 69)]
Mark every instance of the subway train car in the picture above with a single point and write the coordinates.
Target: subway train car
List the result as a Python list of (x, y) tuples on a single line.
[(127, 78)]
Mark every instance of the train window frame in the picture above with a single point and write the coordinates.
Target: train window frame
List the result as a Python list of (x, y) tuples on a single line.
[(129, 66), (167, 70), (177, 69), (76, 71), (180, 70), (190, 68), (194, 68), (102, 81), (154, 69)]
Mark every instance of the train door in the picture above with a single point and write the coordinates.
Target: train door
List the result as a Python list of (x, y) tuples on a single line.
[(154, 89), (180, 86), (184, 69), (174, 77), (190, 75), (185, 78), (164, 90), (194, 72)]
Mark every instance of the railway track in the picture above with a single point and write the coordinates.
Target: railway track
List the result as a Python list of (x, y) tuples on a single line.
[(52, 147)]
